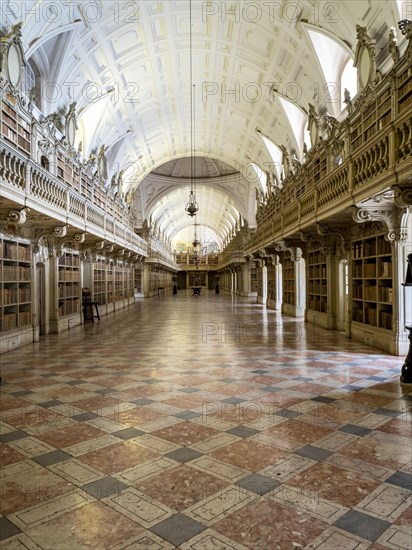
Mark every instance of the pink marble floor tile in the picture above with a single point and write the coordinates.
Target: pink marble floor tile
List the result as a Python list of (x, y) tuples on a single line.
[(271, 524), (336, 484), (249, 454)]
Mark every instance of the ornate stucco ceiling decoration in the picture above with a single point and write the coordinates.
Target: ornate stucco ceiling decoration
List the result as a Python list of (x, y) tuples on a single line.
[(242, 52)]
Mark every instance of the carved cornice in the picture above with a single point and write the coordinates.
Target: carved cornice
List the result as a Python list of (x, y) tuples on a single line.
[(56, 239), (294, 251), (391, 217), (330, 241), (273, 259), (50, 242)]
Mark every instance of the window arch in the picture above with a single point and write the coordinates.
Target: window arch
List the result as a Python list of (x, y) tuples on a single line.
[(348, 81), (32, 82), (335, 60)]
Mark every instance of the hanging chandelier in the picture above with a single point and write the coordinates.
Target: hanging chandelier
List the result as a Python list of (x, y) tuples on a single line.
[(192, 207), (195, 242)]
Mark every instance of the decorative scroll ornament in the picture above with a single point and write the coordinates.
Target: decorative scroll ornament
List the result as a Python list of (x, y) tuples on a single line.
[(258, 262), (60, 231), (47, 241), (405, 27), (99, 245), (403, 196), (294, 251), (45, 147), (330, 241), (12, 60), (109, 247), (12, 225), (273, 259), (305, 236), (18, 217), (51, 123), (393, 217), (79, 237)]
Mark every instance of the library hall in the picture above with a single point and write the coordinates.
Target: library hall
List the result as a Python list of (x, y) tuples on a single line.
[(206, 274)]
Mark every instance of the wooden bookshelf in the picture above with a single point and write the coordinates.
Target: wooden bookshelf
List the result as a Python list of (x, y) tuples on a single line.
[(253, 279), (15, 128), (69, 284), (317, 171), (110, 282), (376, 117), (288, 273), (317, 283), (259, 282), (99, 281), (129, 281), (404, 84), (197, 278), (119, 280), (372, 285), (271, 274), (86, 187), (99, 195), (213, 259), (67, 171), (138, 279), (15, 285)]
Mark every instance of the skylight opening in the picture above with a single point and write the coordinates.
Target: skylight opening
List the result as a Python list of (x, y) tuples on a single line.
[(333, 59), (275, 154), (261, 175), (298, 121), (349, 81)]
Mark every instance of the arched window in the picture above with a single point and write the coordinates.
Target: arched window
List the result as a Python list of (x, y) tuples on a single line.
[(349, 80), (32, 83)]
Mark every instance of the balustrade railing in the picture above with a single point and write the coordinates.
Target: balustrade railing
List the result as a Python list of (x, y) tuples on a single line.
[(12, 169), (38, 183), (333, 188)]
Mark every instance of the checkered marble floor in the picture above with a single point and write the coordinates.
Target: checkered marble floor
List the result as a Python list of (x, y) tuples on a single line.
[(204, 422)]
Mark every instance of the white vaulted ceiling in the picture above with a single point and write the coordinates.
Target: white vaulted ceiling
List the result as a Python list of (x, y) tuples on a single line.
[(241, 52)]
